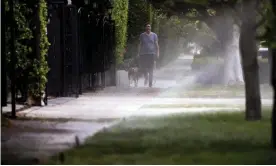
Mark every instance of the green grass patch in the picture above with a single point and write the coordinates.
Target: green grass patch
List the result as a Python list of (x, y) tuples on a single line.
[(218, 138), (216, 91)]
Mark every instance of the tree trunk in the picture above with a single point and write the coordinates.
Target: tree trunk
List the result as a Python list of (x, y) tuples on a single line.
[(248, 49), (273, 83)]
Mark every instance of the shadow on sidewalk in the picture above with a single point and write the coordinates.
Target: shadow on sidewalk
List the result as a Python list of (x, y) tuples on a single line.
[(30, 141)]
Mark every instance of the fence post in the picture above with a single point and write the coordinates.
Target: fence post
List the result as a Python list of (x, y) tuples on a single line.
[(13, 59), (113, 54), (3, 59)]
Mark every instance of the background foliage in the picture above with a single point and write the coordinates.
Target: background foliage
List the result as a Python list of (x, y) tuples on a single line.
[(140, 13), (268, 38), (120, 15)]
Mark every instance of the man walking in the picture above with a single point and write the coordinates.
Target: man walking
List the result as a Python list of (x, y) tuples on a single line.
[(148, 52)]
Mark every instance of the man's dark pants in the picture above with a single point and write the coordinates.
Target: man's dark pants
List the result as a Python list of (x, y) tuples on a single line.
[(147, 65)]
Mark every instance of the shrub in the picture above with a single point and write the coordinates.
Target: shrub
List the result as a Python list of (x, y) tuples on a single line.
[(120, 16), (39, 65)]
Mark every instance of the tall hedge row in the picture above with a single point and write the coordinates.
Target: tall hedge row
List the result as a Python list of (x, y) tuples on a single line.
[(120, 16), (22, 49), (39, 65), (31, 69)]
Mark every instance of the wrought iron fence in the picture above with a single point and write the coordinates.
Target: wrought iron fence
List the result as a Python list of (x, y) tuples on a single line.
[(82, 49), (81, 56)]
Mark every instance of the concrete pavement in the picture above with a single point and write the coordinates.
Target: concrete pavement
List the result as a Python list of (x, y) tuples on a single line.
[(32, 141), (103, 107)]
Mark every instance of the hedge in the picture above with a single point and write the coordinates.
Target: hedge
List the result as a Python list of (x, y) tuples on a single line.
[(120, 16), (39, 65), (22, 49), (31, 69)]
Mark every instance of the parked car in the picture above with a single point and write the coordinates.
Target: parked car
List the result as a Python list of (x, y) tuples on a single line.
[(263, 52), (264, 66)]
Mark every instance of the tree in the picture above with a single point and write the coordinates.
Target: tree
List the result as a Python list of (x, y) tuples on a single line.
[(273, 75), (273, 83), (248, 49), (249, 54), (269, 38), (220, 16)]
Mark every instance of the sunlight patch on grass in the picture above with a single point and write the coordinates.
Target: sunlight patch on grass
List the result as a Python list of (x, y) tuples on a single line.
[(217, 91)]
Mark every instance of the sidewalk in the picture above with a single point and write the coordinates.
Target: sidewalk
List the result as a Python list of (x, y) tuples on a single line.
[(112, 102), (18, 107), (116, 107), (29, 141)]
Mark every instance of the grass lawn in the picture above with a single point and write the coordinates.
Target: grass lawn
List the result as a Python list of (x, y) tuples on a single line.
[(221, 138), (217, 91)]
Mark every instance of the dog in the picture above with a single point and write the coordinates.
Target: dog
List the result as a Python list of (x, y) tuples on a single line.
[(133, 75), (134, 72)]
